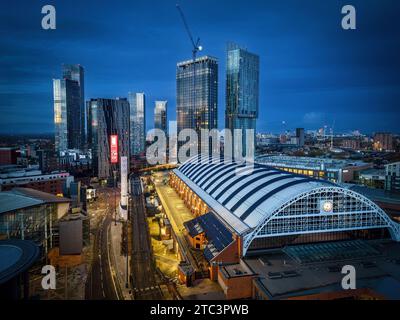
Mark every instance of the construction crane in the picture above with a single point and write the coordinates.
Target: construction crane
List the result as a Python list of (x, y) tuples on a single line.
[(196, 45), (194, 114)]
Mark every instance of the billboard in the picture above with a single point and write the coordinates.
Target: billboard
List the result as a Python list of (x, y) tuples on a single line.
[(114, 148), (124, 180)]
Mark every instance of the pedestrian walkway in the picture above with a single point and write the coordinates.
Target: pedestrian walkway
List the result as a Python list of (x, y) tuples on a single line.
[(177, 213), (119, 261)]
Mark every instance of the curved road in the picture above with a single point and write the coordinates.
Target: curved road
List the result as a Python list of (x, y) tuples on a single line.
[(101, 283)]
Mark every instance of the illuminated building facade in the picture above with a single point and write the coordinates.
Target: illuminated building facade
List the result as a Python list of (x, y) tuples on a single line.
[(242, 91), (334, 170), (107, 117), (196, 108), (137, 105), (383, 142), (160, 116), (67, 114)]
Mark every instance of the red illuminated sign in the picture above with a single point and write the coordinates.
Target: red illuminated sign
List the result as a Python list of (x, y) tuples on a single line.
[(114, 148)]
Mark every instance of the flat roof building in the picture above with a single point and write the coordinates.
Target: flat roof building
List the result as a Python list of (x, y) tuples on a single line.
[(16, 176), (29, 214), (334, 170)]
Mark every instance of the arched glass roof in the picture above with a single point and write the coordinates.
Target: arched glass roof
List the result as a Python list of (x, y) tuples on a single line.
[(242, 195)]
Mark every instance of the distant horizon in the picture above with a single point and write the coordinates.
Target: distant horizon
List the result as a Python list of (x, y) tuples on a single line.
[(3, 134)]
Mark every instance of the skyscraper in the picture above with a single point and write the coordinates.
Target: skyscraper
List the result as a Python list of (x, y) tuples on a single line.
[(76, 72), (67, 114), (242, 78), (197, 109), (300, 136), (137, 105), (160, 115), (107, 117)]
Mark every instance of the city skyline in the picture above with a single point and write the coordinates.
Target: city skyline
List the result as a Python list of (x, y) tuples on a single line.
[(308, 75)]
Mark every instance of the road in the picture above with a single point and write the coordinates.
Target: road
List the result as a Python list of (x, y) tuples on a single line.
[(101, 283), (145, 283)]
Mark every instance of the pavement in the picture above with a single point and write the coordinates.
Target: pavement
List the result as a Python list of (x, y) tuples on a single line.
[(177, 213), (119, 260)]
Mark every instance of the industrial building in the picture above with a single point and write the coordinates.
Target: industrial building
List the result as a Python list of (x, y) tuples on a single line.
[(243, 213), (334, 170), (29, 214)]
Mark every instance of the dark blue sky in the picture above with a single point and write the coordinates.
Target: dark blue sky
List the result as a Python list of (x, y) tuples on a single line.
[(313, 73)]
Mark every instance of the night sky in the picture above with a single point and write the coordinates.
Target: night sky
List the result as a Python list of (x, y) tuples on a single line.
[(312, 72)]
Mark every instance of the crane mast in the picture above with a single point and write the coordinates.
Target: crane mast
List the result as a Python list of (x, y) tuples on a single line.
[(196, 47)]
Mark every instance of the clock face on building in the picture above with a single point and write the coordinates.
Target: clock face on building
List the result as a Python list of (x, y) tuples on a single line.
[(327, 206)]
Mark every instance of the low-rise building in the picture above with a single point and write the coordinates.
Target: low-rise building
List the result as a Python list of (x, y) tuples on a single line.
[(28, 214), (334, 170), (392, 177), (8, 155), (374, 178), (383, 141), (32, 177)]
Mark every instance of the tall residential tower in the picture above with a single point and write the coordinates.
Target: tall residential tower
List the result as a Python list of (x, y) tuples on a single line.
[(66, 115), (160, 116), (242, 78), (197, 108), (107, 118), (137, 107), (69, 109), (76, 72)]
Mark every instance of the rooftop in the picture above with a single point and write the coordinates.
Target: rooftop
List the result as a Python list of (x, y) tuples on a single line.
[(315, 268), (199, 59), (217, 234), (242, 196), (308, 162), (16, 256), (236, 270), (373, 172), (374, 194), (20, 198)]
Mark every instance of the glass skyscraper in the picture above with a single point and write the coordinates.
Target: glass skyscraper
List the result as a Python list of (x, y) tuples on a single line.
[(137, 104), (197, 94), (160, 116), (242, 81), (107, 117), (67, 114), (76, 72)]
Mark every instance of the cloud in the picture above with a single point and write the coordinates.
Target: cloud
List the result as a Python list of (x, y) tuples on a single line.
[(313, 118)]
